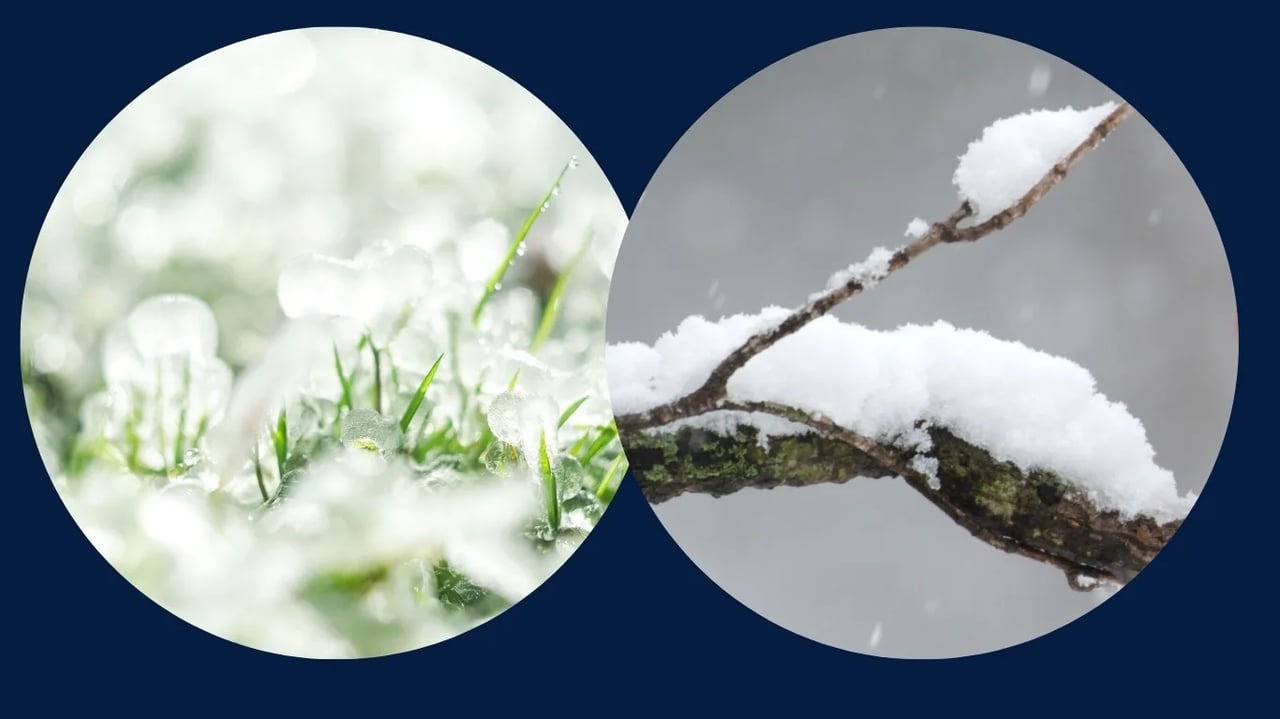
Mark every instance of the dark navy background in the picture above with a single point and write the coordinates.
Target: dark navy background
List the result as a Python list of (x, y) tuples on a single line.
[(630, 624)]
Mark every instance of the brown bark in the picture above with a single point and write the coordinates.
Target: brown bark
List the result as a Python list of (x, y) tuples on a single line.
[(1038, 514)]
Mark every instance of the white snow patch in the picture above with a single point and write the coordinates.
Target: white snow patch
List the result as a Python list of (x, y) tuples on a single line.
[(1015, 152), (916, 228), (1024, 406), (867, 273), (727, 423), (928, 466)]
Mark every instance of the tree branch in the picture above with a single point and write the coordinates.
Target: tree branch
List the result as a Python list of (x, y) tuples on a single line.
[(713, 393), (1037, 514)]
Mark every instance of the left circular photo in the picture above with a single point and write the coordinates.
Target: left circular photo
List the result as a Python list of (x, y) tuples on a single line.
[(312, 343)]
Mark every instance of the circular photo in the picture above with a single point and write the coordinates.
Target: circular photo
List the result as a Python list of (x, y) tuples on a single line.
[(922, 343), (313, 343)]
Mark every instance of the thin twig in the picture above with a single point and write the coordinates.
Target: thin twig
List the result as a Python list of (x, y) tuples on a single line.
[(1003, 219), (713, 393)]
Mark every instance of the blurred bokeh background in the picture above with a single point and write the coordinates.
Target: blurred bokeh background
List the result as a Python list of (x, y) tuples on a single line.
[(816, 160), (324, 140)]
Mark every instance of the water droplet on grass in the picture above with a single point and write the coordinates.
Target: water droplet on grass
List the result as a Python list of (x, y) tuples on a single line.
[(504, 417), (570, 477), (499, 458)]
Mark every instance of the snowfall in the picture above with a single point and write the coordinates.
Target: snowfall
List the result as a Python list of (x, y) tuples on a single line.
[(1036, 410)]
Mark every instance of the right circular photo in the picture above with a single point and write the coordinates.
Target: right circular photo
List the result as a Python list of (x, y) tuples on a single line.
[(922, 343)]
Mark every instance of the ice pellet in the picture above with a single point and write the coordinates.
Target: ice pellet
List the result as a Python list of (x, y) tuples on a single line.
[(173, 325), (367, 430)]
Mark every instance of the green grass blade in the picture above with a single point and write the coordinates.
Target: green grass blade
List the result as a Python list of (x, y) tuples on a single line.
[(377, 374), (257, 471), (132, 439), (343, 380), (477, 450), (418, 396), (517, 242), (160, 413), (202, 428), (568, 412), (605, 484), (178, 441), (280, 438), (606, 436), (440, 438), (548, 483), (552, 310), (392, 370)]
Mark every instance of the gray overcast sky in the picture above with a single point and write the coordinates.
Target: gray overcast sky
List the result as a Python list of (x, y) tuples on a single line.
[(816, 160)]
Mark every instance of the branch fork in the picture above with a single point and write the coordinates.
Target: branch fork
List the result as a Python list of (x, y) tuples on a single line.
[(1091, 547)]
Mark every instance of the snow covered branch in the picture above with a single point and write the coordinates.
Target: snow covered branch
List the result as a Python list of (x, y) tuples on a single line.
[(1016, 446), (1035, 514), (865, 275)]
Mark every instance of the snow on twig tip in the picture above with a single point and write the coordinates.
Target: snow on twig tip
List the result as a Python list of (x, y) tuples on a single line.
[(1014, 153)]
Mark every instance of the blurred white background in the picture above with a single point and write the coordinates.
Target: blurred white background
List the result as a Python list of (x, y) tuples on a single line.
[(322, 140)]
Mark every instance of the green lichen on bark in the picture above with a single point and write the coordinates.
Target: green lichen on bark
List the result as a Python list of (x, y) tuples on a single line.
[(1037, 513), (698, 460)]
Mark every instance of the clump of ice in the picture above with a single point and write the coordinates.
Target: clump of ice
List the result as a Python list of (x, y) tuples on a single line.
[(364, 429), (173, 324), (1015, 152), (164, 380), (523, 419), (916, 228), (1036, 410), (238, 576), (376, 289), (326, 286), (159, 328), (295, 354)]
